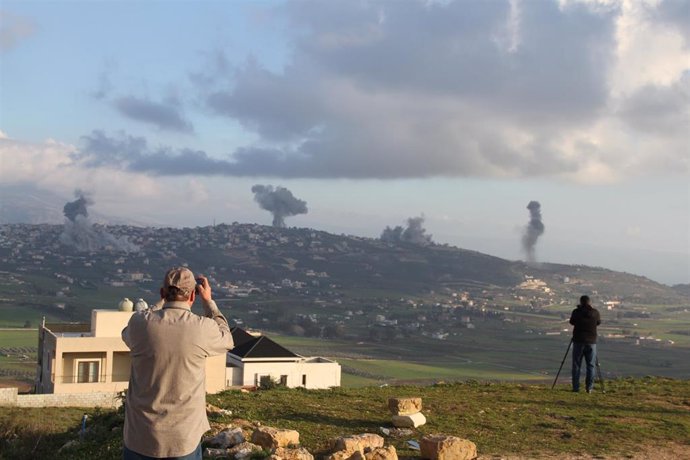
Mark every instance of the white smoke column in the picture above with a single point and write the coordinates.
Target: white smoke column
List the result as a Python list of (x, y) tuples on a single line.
[(534, 229), (80, 233), (280, 202)]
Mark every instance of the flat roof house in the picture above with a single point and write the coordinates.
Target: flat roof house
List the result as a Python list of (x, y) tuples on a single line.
[(84, 358)]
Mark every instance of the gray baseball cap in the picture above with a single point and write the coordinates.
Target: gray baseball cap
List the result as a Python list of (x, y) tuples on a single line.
[(181, 278)]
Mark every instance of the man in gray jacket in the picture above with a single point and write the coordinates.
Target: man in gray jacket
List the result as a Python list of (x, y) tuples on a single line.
[(165, 411)]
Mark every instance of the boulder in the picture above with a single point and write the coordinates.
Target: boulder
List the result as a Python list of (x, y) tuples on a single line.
[(345, 455), (409, 421), (359, 442), (229, 437), (243, 451), (442, 447), (404, 406), (211, 452), (300, 453), (382, 453), (272, 438)]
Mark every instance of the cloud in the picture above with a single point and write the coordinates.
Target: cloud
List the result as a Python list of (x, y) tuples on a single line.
[(14, 29), (458, 89), (165, 116)]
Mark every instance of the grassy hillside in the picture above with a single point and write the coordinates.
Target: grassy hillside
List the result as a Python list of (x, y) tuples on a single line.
[(648, 417)]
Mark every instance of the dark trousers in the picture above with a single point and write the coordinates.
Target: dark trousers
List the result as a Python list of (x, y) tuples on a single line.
[(131, 455), (589, 352)]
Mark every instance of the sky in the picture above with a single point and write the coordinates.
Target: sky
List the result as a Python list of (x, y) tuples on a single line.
[(168, 112)]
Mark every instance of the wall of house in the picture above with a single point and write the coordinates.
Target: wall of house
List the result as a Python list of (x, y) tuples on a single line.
[(109, 323), (44, 382), (318, 374), (9, 397), (122, 365), (215, 373), (233, 376)]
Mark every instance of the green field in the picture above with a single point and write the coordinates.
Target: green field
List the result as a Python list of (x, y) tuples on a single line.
[(635, 418)]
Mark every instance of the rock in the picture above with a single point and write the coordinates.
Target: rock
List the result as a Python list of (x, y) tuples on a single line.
[(229, 437), (382, 453), (409, 421), (212, 410), (210, 452), (360, 442), (243, 451), (68, 445), (404, 406), (442, 447), (299, 453), (401, 432), (272, 438), (274, 457), (345, 455)]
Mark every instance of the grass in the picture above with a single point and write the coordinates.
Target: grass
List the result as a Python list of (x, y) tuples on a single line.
[(502, 419)]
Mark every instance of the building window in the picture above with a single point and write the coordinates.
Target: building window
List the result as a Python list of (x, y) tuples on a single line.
[(87, 371), (304, 380), (283, 380)]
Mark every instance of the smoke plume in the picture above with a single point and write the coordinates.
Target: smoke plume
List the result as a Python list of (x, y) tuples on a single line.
[(414, 233), (80, 233), (279, 201), (534, 229)]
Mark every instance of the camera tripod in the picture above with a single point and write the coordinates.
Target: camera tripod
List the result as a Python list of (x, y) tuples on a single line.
[(596, 361)]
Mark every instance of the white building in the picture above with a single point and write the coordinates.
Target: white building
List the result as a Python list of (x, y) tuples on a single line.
[(258, 358)]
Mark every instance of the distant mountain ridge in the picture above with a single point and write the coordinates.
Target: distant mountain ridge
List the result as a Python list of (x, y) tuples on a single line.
[(256, 252)]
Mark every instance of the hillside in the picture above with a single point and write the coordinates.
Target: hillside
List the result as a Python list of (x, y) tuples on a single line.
[(370, 304), (635, 418)]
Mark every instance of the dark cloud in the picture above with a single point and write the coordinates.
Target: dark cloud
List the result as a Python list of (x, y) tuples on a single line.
[(415, 89), (131, 153), (659, 109), (164, 116)]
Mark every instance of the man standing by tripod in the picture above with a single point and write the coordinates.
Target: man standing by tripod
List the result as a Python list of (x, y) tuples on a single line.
[(585, 318)]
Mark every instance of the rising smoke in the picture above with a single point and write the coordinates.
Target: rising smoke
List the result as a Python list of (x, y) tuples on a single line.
[(414, 233), (279, 201), (534, 229), (80, 233)]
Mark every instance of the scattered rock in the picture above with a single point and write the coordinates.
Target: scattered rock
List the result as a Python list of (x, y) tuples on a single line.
[(404, 406), (382, 453), (409, 421), (243, 451), (345, 455), (443, 447), (211, 452), (229, 437), (360, 442), (272, 438), (299, 453), (212, 410)]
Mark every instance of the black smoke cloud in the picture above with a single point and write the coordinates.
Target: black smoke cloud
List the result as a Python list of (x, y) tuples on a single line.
[(534, 229), (77, 207), (279, 201), (413, 233), (80, 233)]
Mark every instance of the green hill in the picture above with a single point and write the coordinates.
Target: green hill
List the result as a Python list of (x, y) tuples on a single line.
[(635, 418)]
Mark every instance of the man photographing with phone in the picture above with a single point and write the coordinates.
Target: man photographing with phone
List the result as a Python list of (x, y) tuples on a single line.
[(165, 409)]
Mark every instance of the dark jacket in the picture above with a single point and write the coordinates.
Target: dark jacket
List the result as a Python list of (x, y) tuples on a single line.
[(585, 319)]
